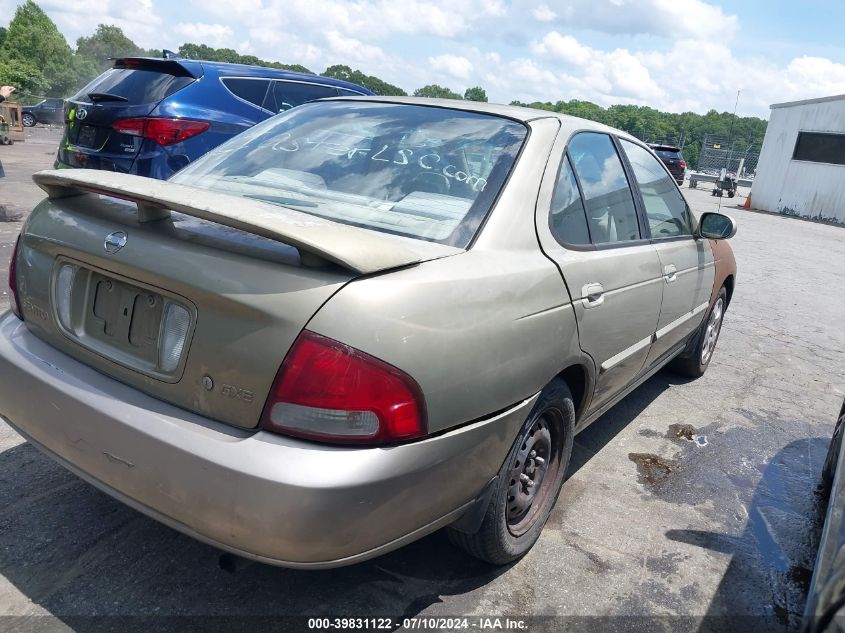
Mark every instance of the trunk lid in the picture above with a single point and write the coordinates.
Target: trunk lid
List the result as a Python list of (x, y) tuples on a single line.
[(248, 275), (133, 88)]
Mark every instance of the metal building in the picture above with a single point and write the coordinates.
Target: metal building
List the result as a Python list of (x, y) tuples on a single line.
[(801, 170)]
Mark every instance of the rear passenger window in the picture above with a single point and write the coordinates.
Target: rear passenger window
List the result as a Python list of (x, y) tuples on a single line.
[(665, 207), (252, 90), (289, 94), (567, 221), (611, 214)]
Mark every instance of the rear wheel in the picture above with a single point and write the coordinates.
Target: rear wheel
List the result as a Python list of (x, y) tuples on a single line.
[(696, 362), (528, 483), (28, 120)]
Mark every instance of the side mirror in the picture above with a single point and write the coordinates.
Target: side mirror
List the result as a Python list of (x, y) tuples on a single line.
[(716, 226)]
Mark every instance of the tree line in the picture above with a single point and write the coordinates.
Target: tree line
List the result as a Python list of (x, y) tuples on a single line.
[(36, 58)]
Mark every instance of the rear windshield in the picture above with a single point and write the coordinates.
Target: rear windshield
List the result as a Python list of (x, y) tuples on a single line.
[(423, 172), (670, 154), (135, 86)]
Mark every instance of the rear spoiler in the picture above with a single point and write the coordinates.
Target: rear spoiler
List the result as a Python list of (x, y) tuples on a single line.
[(318, 240), (172, 66)]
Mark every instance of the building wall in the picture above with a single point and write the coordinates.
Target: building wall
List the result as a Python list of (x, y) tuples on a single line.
[(783, 185)]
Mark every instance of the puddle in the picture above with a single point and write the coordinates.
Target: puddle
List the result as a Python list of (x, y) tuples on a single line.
[(653, 469), (681, 432)]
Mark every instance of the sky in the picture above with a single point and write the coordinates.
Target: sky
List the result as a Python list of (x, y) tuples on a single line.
[(675, 55)]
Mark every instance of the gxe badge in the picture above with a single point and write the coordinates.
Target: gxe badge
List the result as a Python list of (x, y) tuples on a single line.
[(115, 241)]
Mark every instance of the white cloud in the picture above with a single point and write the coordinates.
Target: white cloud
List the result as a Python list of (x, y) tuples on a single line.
[(452, 65), (562, 47), (666, 18), (216, 35), (140, 21), (352, 50), (543, 13)]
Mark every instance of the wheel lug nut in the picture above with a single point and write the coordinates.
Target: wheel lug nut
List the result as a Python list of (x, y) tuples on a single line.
[(539, 461), (532, 454), (526, 480)]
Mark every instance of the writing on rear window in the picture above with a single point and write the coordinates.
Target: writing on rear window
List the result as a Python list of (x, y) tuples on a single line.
[(348, 145)]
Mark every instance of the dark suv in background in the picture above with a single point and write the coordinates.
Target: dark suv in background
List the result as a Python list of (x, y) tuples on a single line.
[(151, 117), (672, 158), (47, 111)]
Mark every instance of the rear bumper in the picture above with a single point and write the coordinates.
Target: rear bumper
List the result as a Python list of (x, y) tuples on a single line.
[(256, 494)]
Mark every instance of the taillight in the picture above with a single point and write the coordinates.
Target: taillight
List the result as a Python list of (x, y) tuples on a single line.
[(162, 131), (13, 280), (326, 390), (682, 164)]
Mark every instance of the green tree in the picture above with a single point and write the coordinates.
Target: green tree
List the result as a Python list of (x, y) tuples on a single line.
[(685, 130), (370, 82), (32, 40), (2, 34), (108, 41), (475, 94), (24, 76), (433, 91), (202, 51)]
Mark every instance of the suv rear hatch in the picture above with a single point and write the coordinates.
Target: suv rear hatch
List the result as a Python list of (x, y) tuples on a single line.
[(132, 88), (671, 157), (197, 308)]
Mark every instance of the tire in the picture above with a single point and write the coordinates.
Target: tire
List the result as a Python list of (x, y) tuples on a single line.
[(832, 459), (28, 120), (516, 512), (695, 363)]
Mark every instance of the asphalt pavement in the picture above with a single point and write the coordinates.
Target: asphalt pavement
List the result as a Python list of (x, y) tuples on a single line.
[(690, 506)]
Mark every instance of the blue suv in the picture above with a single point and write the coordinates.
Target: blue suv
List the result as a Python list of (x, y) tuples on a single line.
[(151, 117)]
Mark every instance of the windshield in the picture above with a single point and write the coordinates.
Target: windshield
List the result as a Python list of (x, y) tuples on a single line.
[(423, 172)]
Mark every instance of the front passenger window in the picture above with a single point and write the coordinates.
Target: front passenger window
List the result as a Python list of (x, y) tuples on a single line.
[(665, 207), (611, 213)]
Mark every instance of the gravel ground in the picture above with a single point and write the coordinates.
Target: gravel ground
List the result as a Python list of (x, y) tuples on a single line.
[(653, 530)]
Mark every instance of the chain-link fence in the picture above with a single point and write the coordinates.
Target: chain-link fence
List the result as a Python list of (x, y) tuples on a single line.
[(718, 152)]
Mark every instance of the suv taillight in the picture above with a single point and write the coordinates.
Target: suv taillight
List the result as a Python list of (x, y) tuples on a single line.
[(682, 164), (13, 280), (162, 131), (328, 391)]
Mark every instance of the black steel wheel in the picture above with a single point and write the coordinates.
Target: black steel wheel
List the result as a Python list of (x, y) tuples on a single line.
[(528, 482)]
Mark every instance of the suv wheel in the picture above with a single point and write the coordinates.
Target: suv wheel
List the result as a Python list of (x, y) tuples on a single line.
[(28, 120), (528, 483)]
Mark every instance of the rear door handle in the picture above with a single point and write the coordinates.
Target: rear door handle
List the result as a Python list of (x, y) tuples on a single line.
[(670, 273), (593, 294)]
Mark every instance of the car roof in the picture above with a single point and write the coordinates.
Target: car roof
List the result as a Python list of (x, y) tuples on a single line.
[(199, 67), (518, 113), (245, 70)]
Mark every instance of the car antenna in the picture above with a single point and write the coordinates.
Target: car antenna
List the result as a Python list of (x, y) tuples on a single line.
[(730, 145)]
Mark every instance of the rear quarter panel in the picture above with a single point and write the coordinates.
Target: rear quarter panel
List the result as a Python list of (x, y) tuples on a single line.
[(478, 331)]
